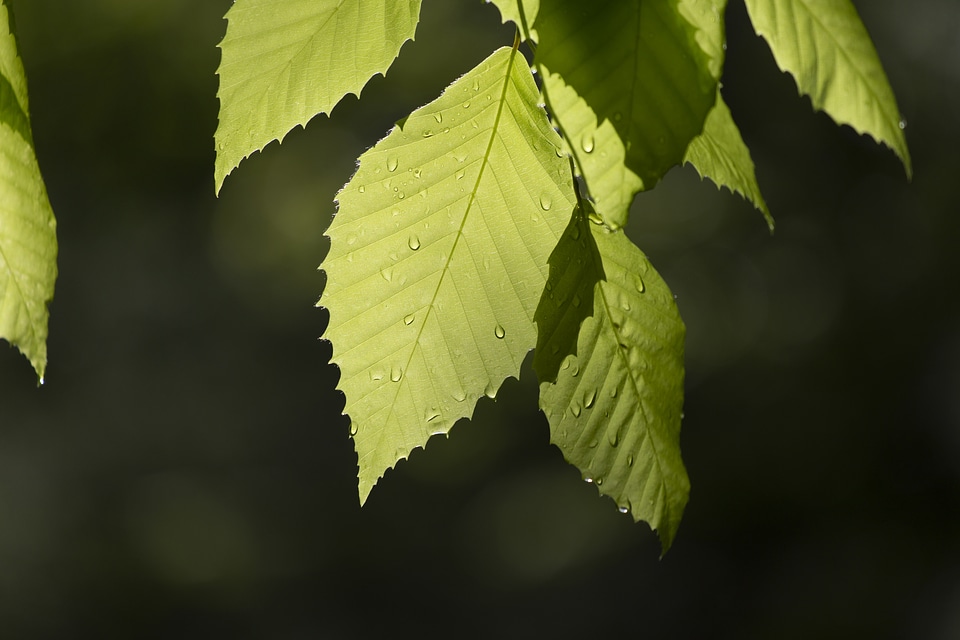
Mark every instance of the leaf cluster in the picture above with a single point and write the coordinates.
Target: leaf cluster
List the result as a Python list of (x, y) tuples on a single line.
[(489, 222)]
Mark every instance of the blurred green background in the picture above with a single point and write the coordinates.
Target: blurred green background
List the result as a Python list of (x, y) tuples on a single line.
[(186, 472)]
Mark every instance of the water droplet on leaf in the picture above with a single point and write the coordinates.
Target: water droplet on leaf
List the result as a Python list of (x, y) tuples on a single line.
[(431, 414), (413, 242), (438, 117), (576, 409), (638, 283), (353, 428), (589, 399), (499, 332), (396, 373), (545, 202), (392, 164), (408, 319), (587, 143)]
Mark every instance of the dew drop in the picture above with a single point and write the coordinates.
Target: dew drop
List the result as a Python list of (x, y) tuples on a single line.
[(387, 274), (499, 332), (376, 376), (638, 283), (594, 217), (545, 202), (392, 164), (431, 414), (438, 117), (459, 395), (460, 174), (593, 444), (490, 391), (599, 481), (630, 460), (361, 189), (614, 438), (589, 399), (575, 233), (588, 479), (576, 409), (414, 243), (576, 300), (587, 143), (353, 429), (559, 153), (613, 392), (566, 364), (427, 133), (902, 124), (396, 374), (476, 85), (417, 173), (401, 195), (466, 105), (408, 319), (623, 509)]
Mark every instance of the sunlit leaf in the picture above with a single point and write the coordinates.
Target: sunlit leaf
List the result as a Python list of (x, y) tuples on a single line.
[(825, 47), (28, 239), (720, 154), (285, 61), (438, 258), (615, 408)]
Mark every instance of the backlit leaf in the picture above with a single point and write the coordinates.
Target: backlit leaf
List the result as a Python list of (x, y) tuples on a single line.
[(285, 61), (720, 154), (28, 239), (615, 409), (438, 259), (825, 47)]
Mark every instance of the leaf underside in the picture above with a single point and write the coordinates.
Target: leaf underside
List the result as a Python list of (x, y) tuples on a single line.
[(824, 45), (285, 61), (615, 408), (438, 258), (28, 241)]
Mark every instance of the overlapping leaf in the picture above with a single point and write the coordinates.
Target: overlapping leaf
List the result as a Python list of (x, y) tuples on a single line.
[(28, 241), (438, 258), (285, 61), (825, 47), (615, 407), (638, 65)]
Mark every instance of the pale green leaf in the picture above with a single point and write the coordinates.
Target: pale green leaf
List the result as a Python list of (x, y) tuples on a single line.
[(824, 45), (638, 65), (438, 259), (285, 61), (615, 409), (720, 154), (28, 238)]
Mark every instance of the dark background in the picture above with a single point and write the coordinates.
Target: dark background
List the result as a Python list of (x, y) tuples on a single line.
[(186, 472)]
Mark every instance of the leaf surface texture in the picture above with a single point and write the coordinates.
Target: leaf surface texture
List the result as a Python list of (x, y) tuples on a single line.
[(285, 61), (438, 258)]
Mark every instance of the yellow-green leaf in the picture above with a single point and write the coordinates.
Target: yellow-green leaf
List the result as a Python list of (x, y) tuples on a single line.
[(438, 258), (825, 47), (28, 230), (285, 61)]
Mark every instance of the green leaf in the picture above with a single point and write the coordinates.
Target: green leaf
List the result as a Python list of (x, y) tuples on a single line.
[(567, 300), (598, 152), (640, 66), (28, 230), (285, 61), (615, 409), (438, 259), (720, 154), (825, 47)]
